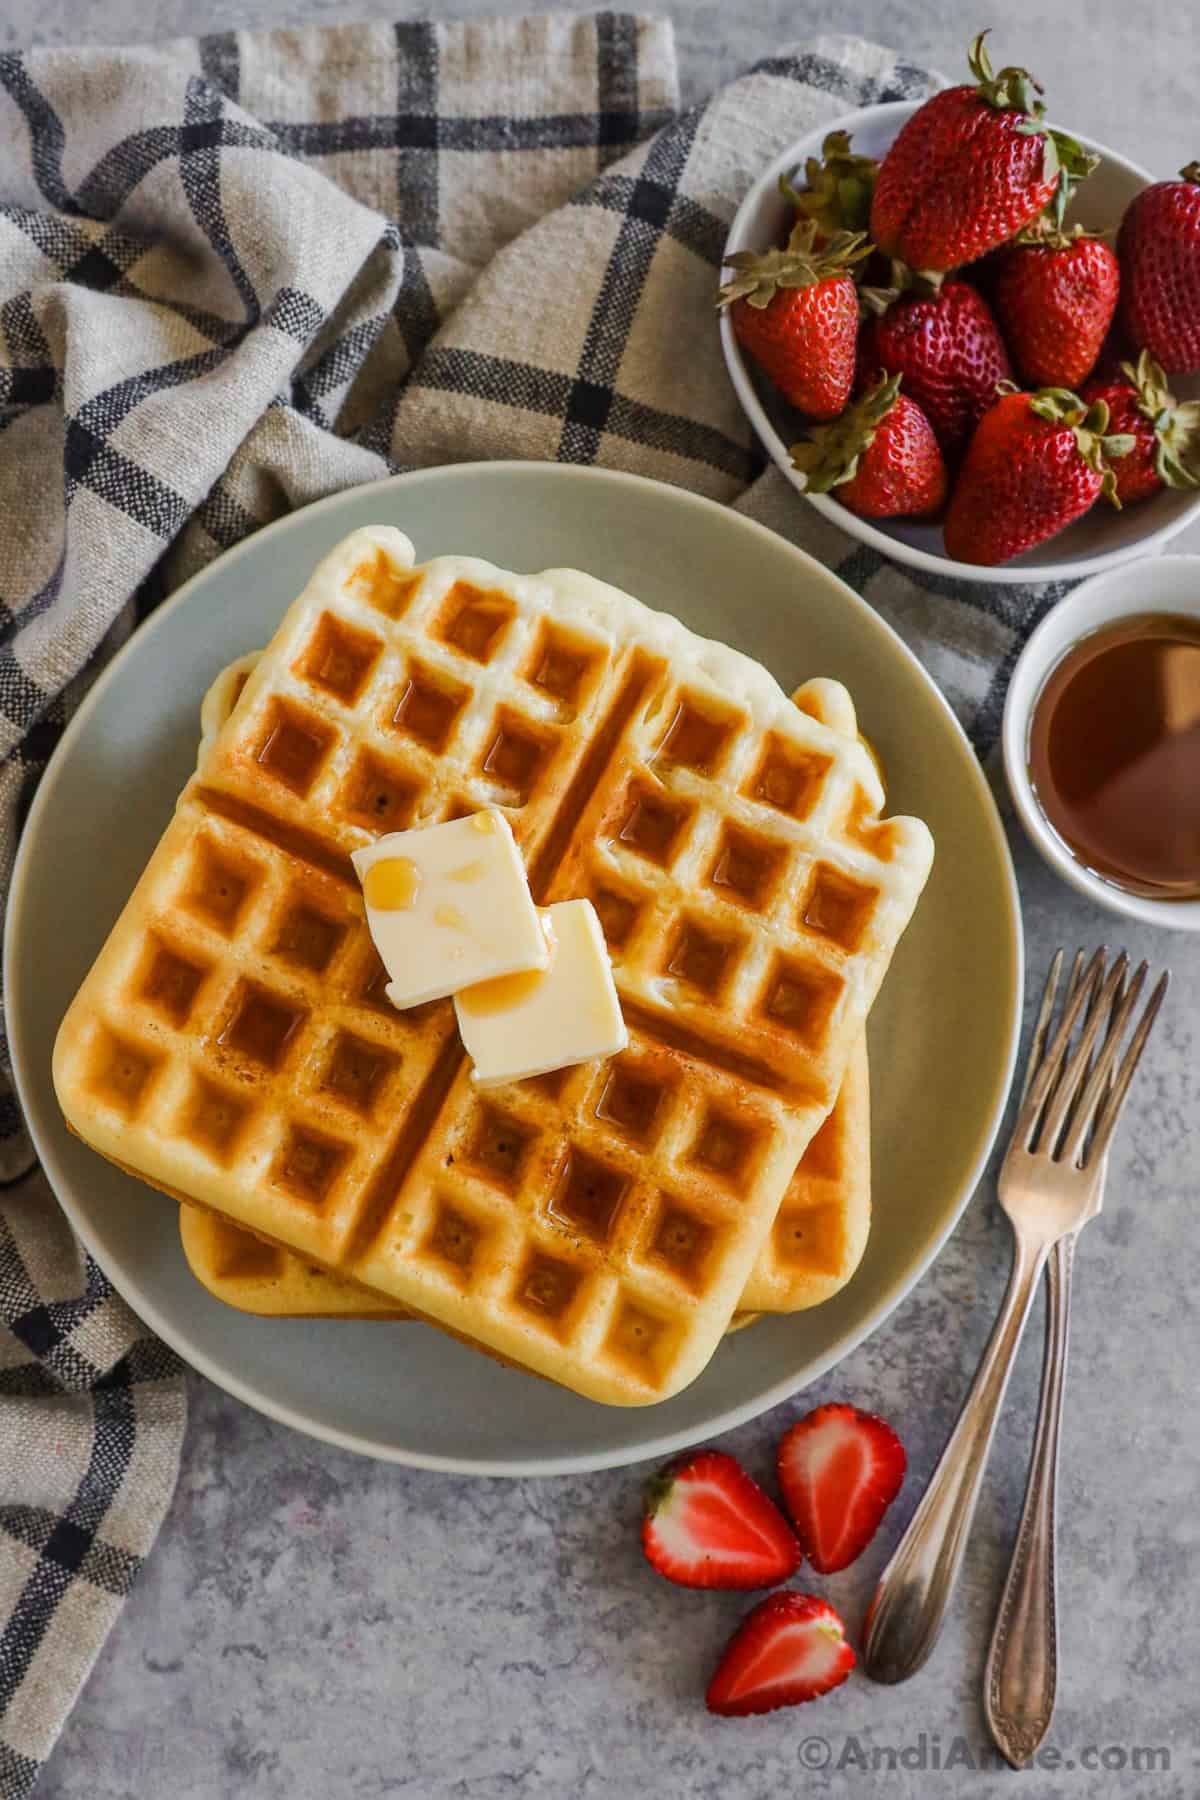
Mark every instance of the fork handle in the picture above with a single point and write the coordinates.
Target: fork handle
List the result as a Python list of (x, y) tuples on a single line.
[(1022, 1667), (909, 1604)]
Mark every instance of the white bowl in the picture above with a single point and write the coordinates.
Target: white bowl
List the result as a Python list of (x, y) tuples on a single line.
[(1100, 540), (1160, 584)]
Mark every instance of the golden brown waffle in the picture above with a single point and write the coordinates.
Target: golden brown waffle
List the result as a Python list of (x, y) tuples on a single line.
[(231, 1043), (257, 1277), (813, 1248), (820, 1231), (242, 1271), (815, 1244)]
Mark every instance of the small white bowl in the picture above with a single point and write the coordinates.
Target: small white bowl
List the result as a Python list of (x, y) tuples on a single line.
[(1160, 584), (1103, 537)]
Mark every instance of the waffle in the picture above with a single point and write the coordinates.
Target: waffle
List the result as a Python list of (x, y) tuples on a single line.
[(821, 1233), (813, 1248), (256, 1277), (252, 1276), (820, 1230), (232, 1046)]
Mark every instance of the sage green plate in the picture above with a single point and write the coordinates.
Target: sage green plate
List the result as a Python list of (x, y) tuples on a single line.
[(943, 1033)]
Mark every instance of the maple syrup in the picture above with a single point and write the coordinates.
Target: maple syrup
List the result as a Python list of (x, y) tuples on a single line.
[(1114, 753), (392, 884), (500, 993)]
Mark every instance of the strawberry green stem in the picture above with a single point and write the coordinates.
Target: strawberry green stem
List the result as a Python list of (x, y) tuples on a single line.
[(760, 276), (1059, 406), (840, 185), (1176, 425), (1015, 90), (1012, 90), (831, 453)]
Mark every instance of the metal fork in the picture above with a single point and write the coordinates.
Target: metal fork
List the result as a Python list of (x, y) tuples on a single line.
[(1051, 1183), (1020, 1680)]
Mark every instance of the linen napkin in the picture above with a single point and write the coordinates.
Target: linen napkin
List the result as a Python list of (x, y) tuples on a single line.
[(244, 271)]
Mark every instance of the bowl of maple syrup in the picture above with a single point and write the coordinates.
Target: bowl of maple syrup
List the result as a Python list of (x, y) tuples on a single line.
[(1101, 740)]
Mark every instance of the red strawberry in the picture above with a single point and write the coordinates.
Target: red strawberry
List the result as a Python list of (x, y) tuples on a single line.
[(1159, 248), (796, 312), (840, 1469), (970, 168), (708, 1525), (1055, 299), (1115, 350), (840, 185), (791, 1648), (949, 350), (1036, 462), (1166, 434), (880, 458)]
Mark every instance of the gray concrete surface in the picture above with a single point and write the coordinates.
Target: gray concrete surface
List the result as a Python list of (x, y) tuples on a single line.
[(1125, 74), (313, 1625)]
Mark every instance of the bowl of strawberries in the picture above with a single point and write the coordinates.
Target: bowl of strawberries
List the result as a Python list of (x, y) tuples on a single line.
[(972, 339)]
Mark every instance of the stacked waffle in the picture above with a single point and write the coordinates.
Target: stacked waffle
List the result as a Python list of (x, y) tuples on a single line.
[(233, 1046)]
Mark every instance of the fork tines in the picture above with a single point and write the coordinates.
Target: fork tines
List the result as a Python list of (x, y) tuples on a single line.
[(1075, 1086)]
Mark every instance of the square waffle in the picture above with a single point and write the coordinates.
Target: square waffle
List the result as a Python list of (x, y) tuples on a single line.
[(816, 1241), (232, 1044), (257, 1277), (811, 1251)]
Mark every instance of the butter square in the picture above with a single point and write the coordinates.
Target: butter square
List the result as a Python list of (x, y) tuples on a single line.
[(534, 1023), (469, 916)]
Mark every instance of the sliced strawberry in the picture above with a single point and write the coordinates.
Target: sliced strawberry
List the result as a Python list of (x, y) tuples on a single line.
[(791, 1648), (840, 1469), (708, 1525)]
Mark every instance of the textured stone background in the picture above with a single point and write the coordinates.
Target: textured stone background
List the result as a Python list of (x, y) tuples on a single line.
[(313, 1625)]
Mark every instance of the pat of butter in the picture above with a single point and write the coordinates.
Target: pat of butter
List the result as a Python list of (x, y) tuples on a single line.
[(529, 1024), (448, 906)]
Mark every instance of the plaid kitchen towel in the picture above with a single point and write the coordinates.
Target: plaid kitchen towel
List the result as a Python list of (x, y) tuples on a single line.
[(242, 272)]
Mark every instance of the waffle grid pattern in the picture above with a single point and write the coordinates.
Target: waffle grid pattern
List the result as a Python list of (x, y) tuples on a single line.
[(820, 1231), (737, 873), (232, 1042), (242, 1271), (813, 1246)]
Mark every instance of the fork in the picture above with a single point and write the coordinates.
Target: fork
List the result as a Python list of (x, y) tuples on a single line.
[(1051, 1182), (1020, 1678)]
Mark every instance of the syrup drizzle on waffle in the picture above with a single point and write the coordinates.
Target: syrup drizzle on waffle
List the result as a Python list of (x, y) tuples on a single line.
[(600, 1224)]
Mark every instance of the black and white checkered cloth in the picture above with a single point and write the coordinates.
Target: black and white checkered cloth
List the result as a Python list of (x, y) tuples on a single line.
[(242, 272)]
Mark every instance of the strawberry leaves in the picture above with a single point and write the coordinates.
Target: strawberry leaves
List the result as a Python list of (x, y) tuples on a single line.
[(1012, 90), (761, 275), (1058, 406)]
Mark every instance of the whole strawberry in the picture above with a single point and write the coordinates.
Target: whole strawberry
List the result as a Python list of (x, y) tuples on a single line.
[(949, 350), (796, 311), (838, 190), (880, 458), (1036, 462), (1165, 433), (970, 168), (1055, 297), (1159, 248)]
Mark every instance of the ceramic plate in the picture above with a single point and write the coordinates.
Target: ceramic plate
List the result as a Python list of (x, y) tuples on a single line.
[(943, 1032)]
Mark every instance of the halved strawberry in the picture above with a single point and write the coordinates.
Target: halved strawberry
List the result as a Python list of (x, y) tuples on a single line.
[(708, 1525), (840, 1469), (791, 1648)]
